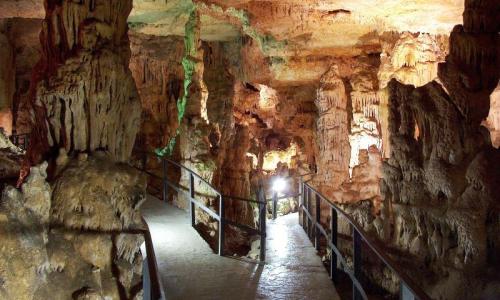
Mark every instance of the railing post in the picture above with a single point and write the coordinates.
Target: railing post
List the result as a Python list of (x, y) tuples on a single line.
[(191, 197), (146, 279), (309, 221), (405, 293), (357, 261), (262, 222), (275, 205), (165, 178), (334, 233), (222, 224), (301, 202), (318, 219), (304, 204)]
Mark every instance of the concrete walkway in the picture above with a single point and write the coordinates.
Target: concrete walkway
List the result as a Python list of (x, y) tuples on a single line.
[(190, 270)]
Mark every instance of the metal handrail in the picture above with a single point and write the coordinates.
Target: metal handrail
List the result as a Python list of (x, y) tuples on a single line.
[(192, 173), (408, 288), (220, 216), (151, 277)]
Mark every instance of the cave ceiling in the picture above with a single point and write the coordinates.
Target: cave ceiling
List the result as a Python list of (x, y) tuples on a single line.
[(309, 25), (300, 26), (295, 37)]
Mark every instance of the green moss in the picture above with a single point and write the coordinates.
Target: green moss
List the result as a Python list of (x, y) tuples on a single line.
[(266, 42), (277, 60), (189, 64), (206, 166), (136, 25), (166, 14)]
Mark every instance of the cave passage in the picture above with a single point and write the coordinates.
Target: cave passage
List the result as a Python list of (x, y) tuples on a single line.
[(190, 270), (249, 149)]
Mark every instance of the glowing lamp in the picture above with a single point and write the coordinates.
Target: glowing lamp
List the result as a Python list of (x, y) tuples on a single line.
[(279, 185)]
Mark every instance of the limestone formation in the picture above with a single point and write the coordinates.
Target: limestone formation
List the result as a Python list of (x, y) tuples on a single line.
[(86, 99), (411, 58), (24, 43), (10, 159), (106, 196), (71, 229), (334, 148), (158, 73), (60, 253), (442, 176), (493, 120)]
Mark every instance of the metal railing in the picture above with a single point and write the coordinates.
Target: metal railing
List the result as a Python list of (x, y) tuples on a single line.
[(151, 284), (220, 214), (311, 222)]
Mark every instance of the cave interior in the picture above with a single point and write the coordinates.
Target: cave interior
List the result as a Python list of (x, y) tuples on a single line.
[(388, 109)]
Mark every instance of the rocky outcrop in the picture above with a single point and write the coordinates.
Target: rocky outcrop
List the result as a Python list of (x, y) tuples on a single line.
[(442, 177), (493, 120), (411, 58), (71, 231), (64, 243), (106, 196), (10, 159), (86, 98)]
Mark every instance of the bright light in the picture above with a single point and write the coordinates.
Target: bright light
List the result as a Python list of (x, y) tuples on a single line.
[(272, 158), (268, 97), (279, 185)]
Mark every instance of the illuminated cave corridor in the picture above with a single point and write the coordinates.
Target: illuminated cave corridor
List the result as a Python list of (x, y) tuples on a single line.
[(249, 149)]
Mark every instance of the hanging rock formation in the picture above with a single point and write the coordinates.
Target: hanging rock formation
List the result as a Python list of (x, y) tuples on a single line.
[(411, 58), (396, 119), (86, 98)]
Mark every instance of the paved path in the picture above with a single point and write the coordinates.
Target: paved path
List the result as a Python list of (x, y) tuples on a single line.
[(190, 270)]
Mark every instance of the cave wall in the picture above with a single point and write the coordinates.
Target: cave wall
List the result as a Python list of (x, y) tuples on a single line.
[(443, 175), (23, 38), (410, 151), (71, 226), (7, 80), (158, 73)]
